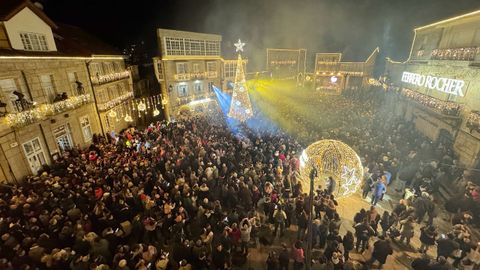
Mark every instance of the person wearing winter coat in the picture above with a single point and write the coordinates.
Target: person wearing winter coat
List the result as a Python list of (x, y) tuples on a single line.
[(427, 237), (386, 222), (363, 231), (381, 250), (298, 256), (272, 261), (245, 230), (406, 232), (348, 244), (284, 257)]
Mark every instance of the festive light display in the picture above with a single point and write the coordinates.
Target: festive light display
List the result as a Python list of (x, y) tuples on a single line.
[(333, 159), (156, 112), (101, 79), (128, 118), (240, 107), (115, 102), (112, 114), (440, 106), (141, 106), (42, 111), (459, 54)]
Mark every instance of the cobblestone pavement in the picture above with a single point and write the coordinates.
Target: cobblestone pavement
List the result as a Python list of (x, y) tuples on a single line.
[(401, 258)]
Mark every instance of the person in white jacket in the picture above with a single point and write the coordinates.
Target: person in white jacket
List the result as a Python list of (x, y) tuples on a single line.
[(245, 230)]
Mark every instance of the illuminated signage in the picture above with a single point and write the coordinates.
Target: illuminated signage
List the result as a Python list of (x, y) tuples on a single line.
[(446, 85)]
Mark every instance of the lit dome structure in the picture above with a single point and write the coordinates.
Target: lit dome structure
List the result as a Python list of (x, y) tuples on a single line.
[(331, 158)]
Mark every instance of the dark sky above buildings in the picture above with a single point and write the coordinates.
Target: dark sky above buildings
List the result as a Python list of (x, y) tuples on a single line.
[(353, 27)]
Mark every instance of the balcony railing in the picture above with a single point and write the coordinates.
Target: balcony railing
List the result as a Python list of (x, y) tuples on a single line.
[(458, 54), (32, 114), (447, 108), (195, 76), (101, 79), (114, 102)]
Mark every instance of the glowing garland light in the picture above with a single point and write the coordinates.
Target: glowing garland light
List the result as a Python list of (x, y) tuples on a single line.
[(156, 112), (141, 106), (100, 79), (112, 114), (335, 159), (114, 102), (128, 118), (42, 111)]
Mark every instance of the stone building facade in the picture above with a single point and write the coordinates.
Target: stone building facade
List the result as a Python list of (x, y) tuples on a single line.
[(439, 84), (47, 90), (188, 67), (332, 75)]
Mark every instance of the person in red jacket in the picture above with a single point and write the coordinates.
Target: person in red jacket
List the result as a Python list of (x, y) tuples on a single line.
[(298, 256)]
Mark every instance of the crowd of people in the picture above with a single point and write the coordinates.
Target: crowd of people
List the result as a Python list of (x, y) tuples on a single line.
[(195, 195)]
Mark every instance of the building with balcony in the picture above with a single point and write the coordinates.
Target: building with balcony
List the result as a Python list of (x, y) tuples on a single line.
[(439, 81), (286, 63), (47, 82), (332, 75), (189, 65)]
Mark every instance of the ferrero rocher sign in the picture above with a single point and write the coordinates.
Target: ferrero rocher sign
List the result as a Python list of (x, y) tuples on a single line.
[(446, 85)]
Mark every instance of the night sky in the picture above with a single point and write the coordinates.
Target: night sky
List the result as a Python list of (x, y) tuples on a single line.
[(354, 27)]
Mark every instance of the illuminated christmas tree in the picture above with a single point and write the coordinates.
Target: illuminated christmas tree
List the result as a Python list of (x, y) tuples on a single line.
[(240, 108)]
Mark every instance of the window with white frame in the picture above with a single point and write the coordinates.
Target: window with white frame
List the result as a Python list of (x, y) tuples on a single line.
[(181, 68), (34, 41), (229, 69), (182, 89), (196, 68), (212, 47), (8, 86), (160, 69), (48, 86), (211, 66), (35, 154), (198, 87), (86, 128), (72, 79), (194, 47), (174, 46)]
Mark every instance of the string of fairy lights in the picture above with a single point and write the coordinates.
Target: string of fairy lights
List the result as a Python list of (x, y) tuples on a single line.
[(119, 108), (139, 107)]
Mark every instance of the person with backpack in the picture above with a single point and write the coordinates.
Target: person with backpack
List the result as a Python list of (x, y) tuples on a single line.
[(381, 250), (280, 218)]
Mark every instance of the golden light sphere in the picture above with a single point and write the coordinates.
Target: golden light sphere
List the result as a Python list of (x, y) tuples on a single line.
[(331, 158)]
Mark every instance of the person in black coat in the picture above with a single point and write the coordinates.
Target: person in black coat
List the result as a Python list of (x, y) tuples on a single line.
[(348, 244), (427, 237), (381, 250)]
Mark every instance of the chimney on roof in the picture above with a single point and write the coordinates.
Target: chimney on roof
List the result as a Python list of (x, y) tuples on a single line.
[(38, 5)]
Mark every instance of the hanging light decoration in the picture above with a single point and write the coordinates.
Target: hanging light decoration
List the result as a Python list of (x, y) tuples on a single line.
[(141, 106), (128, 118), (112, 114), (156, 112)]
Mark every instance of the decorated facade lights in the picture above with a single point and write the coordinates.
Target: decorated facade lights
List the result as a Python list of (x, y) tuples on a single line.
[(42, 111), (112, 113), (100, 79), (440, 106), (114, 102), (128, 118)]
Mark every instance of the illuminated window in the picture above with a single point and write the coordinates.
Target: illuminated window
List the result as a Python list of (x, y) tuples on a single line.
[(160, 69), (96, 69), (229, 69), (174, 46), (48, 86), (35, 154), (198, 87), (194, 47), (34, 42), (8, 86), (86, 128), (182, 90), (212, 47)]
